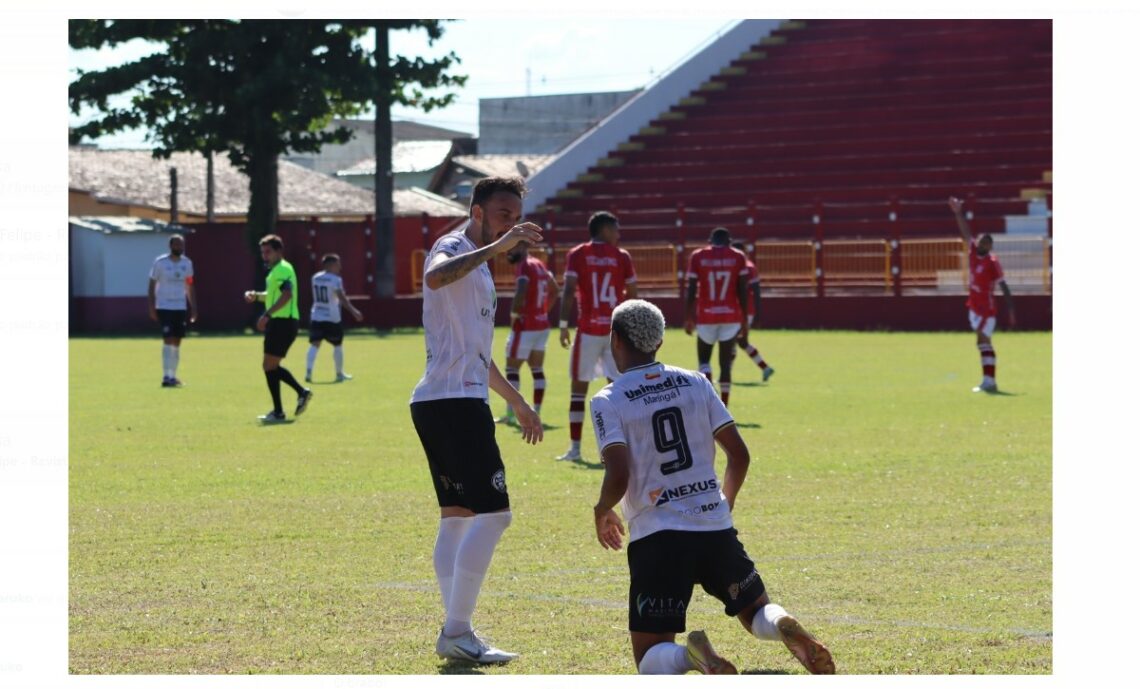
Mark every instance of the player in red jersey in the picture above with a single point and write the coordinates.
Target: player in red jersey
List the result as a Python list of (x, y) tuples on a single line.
[(753, 314), (717, 299), (535, 287), (985, 270), (601, 276)]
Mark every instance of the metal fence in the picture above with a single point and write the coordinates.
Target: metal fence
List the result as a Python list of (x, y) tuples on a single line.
[(923, 265)]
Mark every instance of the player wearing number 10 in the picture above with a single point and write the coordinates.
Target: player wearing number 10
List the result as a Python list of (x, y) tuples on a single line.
[(324, 318), (656, 426), (601, 276)]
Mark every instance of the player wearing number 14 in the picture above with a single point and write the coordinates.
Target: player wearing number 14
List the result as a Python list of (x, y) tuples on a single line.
[(601, 276)]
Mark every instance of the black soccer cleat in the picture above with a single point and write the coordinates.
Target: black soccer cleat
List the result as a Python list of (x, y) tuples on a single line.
[(303, 401)]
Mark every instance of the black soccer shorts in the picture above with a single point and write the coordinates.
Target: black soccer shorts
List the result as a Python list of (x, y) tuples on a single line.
[(279, 336), (458, 436), (333, 333), (173, 322), (664, 565)]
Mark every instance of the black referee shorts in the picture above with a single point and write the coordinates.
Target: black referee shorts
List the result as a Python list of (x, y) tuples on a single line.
[(664, 565), (173, 322), (279, 336), (458, 436), (333, 333)]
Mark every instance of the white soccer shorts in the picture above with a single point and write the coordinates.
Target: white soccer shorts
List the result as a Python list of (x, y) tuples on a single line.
[(976, 320), (521, 343), (717, 332), (590, 358)]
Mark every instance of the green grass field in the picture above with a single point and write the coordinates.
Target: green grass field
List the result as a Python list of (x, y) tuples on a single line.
[(905, 520)]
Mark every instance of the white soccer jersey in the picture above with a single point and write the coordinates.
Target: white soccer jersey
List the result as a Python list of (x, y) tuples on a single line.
[(459, 324), (170, 278), (326, 306), (667, 417)]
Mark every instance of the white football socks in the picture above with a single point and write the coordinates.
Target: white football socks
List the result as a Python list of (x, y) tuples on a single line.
[(165, 361), (338, 359), (310, 359), (665, 658), (175, 350), (764, 623), (471, 563), (451, 532)]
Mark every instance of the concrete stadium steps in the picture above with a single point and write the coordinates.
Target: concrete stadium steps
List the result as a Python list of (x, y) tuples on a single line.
[(778, 180), (697, 233), (734, 164), (844, 194), (980, 126), (793, 213), (849, 114), (720, 120)]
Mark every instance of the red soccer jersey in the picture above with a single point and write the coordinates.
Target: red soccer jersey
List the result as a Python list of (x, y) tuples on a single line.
[(753, 279), (985, 271), (536, 311), (603, 271), (716, 269)]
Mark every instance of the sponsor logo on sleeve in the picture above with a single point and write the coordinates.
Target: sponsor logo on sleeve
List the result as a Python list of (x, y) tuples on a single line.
[(600, 424)]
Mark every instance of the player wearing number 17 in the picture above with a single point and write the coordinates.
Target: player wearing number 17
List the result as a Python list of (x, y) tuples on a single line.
[(656, 427), (719, 274), (601, 276)]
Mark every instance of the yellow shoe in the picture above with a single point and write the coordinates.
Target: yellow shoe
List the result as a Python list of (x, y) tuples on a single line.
[(805, 647), (704, 658)]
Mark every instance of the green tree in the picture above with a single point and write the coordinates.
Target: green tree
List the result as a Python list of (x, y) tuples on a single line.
[(256, 89)]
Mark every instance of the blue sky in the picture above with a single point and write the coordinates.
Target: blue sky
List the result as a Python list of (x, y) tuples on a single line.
[(564, 55)]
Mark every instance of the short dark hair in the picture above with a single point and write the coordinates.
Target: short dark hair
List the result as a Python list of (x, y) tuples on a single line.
[(273, 241), (601, 219), (720, 236), (739, 245), (986, 236), (489, 186), (329, 258)]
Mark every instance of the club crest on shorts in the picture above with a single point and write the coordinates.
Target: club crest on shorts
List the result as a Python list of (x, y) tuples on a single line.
[(499, 481)]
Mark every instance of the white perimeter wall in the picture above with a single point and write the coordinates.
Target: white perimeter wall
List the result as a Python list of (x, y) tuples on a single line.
[(113, 265)]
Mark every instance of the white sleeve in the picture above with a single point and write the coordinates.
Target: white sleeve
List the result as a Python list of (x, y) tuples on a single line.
[(718, 413), (154, 269), (448, 245), (607, 424)]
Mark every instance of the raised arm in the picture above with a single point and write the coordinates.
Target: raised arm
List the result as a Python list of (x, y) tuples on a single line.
[(963, 225), (445, 270), (728, 437)]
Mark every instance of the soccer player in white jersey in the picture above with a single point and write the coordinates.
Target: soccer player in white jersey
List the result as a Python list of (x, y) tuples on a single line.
[(171, 286), (656, 426), (451, 410), (324, 317)]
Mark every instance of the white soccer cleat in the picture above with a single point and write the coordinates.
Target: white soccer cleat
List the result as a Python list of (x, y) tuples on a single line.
[(986, 387), (572, 455), (341, 377), (807, 649), (706, 660), (472, 648)]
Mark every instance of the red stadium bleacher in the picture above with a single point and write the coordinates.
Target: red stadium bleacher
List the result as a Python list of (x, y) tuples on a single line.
[(845, 122)]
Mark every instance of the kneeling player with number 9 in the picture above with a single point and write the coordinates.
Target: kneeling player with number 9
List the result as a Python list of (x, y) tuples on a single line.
[(655, 426)]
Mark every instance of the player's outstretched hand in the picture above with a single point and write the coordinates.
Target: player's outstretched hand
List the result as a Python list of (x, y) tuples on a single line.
[(609, 529), (529, 423), (250, 296), (523, 232), (564, 337), (955, 205)]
